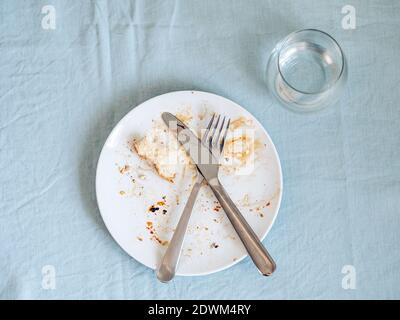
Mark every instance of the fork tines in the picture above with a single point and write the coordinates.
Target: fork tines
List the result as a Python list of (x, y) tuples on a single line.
[(216, 132)]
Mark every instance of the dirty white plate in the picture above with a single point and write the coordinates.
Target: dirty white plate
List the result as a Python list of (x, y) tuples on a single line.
[(126, 187)]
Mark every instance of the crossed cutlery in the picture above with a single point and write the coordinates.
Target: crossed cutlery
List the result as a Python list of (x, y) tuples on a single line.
[(211, 145)]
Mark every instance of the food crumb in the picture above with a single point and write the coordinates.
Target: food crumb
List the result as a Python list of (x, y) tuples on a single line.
[(153, 208), (140, 238), (214, 245), (245, 200), (123, 169), (122, 192), (217, 206)]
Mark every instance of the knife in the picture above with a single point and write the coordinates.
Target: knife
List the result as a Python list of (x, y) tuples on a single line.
[(208, 167)]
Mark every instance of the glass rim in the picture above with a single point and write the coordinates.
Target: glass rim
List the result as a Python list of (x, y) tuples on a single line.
[(283, 42)]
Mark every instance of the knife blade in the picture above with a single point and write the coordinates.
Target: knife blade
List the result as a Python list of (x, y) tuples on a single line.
[(200, 154)]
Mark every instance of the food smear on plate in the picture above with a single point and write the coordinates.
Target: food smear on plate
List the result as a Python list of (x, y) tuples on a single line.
[(160, 148), (240, 122), (124, 169), (185, 116), (153, 234), (240, 147)]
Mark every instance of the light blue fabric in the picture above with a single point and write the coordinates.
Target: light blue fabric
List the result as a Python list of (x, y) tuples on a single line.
[(63, 90)]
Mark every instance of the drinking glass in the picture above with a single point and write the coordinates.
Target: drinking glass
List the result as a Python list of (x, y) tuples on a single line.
[(307, 70)]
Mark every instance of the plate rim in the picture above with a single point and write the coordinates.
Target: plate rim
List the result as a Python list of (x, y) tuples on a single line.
[(140, 105)]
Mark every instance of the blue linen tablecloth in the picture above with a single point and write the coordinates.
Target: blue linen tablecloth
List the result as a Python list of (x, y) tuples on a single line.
[(65, 82)]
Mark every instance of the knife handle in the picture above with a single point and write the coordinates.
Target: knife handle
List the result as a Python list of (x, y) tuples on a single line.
[(252, 243), (166, 271)]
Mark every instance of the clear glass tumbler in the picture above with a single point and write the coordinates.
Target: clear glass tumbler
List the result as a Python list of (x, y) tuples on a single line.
[(307, 70)]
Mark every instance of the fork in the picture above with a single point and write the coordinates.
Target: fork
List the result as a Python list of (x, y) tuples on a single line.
[(215, 134), (256, 250)]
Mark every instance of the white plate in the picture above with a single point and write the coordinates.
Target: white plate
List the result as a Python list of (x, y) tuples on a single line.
[(124, 194)]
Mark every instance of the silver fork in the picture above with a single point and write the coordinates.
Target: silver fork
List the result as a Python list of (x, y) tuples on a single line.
[(214, 135)]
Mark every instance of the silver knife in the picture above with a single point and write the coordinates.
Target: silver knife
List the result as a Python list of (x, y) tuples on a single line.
[(208, 167)]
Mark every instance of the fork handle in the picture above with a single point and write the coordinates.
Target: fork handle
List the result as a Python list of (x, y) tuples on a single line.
[(252, 243)]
